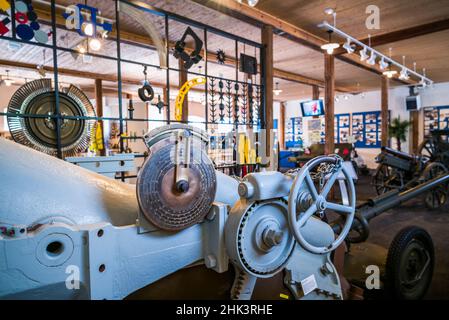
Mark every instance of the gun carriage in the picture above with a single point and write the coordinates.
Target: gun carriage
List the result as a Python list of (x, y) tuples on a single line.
[(401, 171), (283, 228)]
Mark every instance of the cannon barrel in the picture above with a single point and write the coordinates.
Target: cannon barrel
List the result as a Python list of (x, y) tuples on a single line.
[(398, 154), (376, 206)]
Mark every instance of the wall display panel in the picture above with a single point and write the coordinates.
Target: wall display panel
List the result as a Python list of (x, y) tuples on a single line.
[(366, 129), (436, 118), (342, 128)]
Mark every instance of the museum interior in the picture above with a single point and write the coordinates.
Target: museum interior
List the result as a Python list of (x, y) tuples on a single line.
[(224, 149)]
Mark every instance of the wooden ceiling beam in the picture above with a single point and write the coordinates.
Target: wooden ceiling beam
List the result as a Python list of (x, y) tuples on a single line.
[(140, 39), (285, 29), (403, 34)]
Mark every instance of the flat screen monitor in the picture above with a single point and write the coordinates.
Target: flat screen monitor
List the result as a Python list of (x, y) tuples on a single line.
[(312, 108)]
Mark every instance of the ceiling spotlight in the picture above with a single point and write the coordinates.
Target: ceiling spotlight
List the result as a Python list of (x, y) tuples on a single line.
[(82, 49), (94, 44), (8, 81), (383, 64), (404, 74), (363, 54), (372, 59), (330, 46), (423, 83), (41, 70), (88, 29), (104, 34), (348, 47), (346, 97), (337, 99), (389, 73), (329, 11), (277, 91), (253, 3)]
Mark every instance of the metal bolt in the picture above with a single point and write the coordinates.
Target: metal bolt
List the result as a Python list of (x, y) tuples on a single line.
[(272, 237), (327, 269), (211, 215)]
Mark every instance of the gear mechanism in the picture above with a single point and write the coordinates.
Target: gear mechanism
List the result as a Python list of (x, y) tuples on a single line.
[(257, 238), (176, 185), (37, 99)]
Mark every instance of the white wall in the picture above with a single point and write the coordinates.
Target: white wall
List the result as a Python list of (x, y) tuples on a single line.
[(5, 95), (437, 95)]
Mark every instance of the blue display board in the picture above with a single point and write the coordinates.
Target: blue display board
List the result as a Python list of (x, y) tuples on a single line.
[(342, 127), (436, 118), (293, 133), (366, 129)]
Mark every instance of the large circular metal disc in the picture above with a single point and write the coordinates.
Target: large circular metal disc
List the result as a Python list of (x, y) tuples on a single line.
[(35, 103), (43, 129), (159, 200), (246, 232)]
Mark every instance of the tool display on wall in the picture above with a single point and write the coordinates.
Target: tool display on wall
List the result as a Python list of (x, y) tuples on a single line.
[(236, 104), (182, 94), (229, 100), (221, 105), (146, 92), (212, 101), (160, 104), (38, 98), (248, 64), (130, 109), (221, 56), (180, 49)]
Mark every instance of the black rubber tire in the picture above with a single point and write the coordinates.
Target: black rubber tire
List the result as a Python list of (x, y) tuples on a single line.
[(415, 236)]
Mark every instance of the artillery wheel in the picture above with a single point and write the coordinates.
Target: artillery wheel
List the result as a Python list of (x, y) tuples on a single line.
[(437, 197), (410, 264), (428, 150), (385, 179)]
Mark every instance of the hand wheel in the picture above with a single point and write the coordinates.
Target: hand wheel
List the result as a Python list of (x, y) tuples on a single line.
[(319, 203)]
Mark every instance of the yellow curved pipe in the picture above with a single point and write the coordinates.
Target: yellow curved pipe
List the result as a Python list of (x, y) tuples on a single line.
[(182, 94)]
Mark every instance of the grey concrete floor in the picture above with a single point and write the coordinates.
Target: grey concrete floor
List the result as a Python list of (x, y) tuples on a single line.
[(384, 228)]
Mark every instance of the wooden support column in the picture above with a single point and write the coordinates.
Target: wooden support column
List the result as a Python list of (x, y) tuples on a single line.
[(315, 92), (99, 105), (385, 86), (281, 126), (415, 131), (267, 41), (183, 79), (329, 100)]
